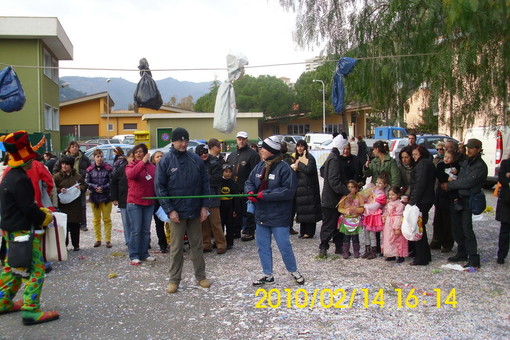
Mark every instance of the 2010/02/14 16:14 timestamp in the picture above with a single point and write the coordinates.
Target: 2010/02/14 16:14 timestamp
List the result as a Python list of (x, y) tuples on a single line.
[(411, 300)]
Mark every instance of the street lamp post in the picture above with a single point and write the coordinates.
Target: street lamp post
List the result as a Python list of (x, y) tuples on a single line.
[(323, 104), (108, 108)]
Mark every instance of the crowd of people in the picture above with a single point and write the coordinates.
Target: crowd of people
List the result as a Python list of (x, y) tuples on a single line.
[(210, 201)]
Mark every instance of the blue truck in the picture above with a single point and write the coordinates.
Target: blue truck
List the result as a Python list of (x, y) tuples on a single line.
[(389, 132)]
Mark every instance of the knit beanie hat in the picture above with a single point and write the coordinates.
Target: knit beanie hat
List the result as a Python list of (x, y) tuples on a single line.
[(18, 147), (271, 145), (180, 134)]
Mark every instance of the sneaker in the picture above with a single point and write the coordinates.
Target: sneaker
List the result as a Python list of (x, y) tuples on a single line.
[(135, 262), (205, 283), (266, 280), (150, 259), (172, 288), (300, 280)]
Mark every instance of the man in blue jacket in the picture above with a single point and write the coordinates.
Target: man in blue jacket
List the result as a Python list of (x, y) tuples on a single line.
[(183, 173), (275, 185)]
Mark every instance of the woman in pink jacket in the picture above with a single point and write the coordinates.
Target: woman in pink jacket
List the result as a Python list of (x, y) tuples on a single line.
[(140, 176)]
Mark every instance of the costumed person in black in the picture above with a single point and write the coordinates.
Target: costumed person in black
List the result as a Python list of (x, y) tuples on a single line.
[(229, 206), (503, 210), (308, 197), (334, 189), (20, 219)]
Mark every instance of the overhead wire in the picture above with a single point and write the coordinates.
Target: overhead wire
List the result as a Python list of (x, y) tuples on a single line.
[(207, 68)]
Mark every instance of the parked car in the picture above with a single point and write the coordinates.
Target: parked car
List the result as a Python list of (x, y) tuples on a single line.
[(85, 146), (326, 145), (104, 141), (429, 141), (191, 147), (291, 141), (107, 151), (126, 139), (496, 147), (315, 139)]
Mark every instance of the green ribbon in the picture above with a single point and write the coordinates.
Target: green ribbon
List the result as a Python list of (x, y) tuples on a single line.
[(200, 196)]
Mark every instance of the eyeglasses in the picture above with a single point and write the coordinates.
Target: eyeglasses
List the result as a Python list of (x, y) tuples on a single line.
[(202, 152), (440, 149)]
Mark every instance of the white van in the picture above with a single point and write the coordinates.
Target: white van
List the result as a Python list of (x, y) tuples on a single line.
[(492, 153), (315, 139), (126, 139)]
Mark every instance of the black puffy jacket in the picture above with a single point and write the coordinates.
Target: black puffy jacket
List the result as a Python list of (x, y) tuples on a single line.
[(308, 198)]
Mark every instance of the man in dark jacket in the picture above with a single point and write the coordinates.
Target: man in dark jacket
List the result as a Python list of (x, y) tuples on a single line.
[(472, 176), (243, 159), (182, 173), (333, 190), (19, 213), (212, 223)]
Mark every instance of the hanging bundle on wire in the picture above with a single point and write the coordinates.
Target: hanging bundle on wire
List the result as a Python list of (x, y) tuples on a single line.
[(12, 96), (343, 68), (147, 93), (225, 111)]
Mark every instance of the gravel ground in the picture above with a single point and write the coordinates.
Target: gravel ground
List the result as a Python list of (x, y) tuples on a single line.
[(134, 304)]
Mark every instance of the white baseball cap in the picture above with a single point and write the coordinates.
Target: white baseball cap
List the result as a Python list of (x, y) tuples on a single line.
[(242, 134)]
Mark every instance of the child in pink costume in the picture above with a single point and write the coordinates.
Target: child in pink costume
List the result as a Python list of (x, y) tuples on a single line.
[(372, 220), (395, 245)]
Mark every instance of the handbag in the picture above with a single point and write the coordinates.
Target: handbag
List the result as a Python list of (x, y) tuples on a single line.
[(20, 250), (349, 223), (412, 223), (54, 242), (477, 203)]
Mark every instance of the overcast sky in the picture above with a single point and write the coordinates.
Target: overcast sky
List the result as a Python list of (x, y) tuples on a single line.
[(172, 34)]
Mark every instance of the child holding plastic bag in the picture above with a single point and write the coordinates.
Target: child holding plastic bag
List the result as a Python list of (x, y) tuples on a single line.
[(351, 208), (372, 216), (395, 245)]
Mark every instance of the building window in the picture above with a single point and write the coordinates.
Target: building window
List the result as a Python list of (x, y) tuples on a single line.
[(276, 130), (51, 66), (129, 126), (110, 127), (51, 118), (56, 119), (332, 128), (48, 117), (298, 129)]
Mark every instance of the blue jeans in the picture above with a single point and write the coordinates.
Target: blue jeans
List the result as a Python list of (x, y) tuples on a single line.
[(140, 217), (126, 224), (282, 238)]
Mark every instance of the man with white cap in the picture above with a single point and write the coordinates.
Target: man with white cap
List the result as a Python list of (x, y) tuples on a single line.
[(472, 176), (275, 185), (243, 160), (333, 190)]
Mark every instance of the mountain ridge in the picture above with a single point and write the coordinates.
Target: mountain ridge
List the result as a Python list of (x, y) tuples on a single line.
[(122, 90)]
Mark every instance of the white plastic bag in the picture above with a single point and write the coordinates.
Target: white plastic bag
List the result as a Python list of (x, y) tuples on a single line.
[(54, 242), (70, 195), (160, 213), (412, 224)]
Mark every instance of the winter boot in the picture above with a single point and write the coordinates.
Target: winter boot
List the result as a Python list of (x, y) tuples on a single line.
[(355, 247), (373, 253), (367, 252), (345, 249)]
